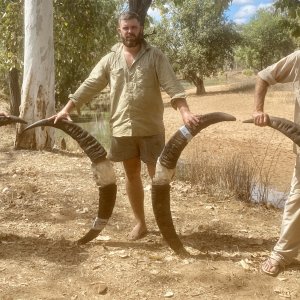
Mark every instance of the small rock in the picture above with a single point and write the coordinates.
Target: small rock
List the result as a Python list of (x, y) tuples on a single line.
[(5, 190), (169, 294), (103, 238), (102, 289), (282, 278), (209, 207), (82, 211), (244, 264)]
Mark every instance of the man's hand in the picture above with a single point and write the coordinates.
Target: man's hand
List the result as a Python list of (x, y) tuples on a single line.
[(64, 113), (189, 118), (3, 114), (260, 118), (61, 115)]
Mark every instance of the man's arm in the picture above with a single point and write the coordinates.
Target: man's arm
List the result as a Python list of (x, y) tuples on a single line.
[(173, 88), (261, 88)]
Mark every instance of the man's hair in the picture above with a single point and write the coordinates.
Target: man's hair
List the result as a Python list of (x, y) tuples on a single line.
[(129, 15)]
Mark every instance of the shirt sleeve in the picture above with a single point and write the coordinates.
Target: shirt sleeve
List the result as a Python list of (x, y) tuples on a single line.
[(285, 70), (93, 85), (167, 79)]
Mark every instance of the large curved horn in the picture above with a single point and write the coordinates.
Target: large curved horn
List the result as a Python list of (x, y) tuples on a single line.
[(180, 139), (168, 160), (106, 182), (87, 142), (5, 120), (287, 127)]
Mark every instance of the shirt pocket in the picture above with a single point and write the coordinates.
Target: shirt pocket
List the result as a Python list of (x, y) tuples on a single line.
[(116, 78), (145, 77)]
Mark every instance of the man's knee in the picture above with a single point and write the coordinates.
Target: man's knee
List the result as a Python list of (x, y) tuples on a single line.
[(132, 169)]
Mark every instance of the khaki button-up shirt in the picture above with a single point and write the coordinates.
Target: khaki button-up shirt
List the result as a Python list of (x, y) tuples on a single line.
[(136, 102), (286, 70)]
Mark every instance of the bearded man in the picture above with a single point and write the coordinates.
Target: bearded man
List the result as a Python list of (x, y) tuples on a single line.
[(135, 72)]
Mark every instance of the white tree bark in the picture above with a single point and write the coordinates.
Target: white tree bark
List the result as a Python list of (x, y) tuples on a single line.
[(37, 98)]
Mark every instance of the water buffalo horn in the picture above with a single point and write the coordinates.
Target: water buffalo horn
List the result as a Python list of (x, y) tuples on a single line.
[(97, 154), (168, 159), (163, 217), (286, 127), (5, 120), (107, 199), (180, 139), (93, 149)]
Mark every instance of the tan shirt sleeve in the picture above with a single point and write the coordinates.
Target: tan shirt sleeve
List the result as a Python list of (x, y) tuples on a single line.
[(167, 79), (93, 85), (286, 70)]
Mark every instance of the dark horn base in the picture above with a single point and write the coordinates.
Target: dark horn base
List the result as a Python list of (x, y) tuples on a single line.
[(107, 200), (161, 208)]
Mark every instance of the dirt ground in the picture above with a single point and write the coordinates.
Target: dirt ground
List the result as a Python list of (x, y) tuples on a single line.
[(49, 199)]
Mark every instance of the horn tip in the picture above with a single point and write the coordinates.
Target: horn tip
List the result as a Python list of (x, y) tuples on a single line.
[(248, 121), (91, 235)]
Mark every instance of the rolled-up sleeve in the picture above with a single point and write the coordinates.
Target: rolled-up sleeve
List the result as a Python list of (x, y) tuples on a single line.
[(93, 85), (285, 70), (168, 80)]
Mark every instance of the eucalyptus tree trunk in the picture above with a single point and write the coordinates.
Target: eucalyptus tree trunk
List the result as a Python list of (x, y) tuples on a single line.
[(37, 97)]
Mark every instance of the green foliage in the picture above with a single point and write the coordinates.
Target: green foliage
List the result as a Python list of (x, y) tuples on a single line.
[(291, 10), (292, 7), (220, 5), (11, 37), (197, 38), (265, 41), (84, 30), (247, 72)]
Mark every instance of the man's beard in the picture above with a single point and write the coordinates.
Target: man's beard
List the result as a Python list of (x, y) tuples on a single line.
[(132, 41)]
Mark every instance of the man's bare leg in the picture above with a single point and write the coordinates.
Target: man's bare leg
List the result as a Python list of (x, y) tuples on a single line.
[(135, 192)]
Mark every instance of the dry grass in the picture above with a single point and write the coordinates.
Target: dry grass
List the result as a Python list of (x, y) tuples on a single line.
[(230, 176)]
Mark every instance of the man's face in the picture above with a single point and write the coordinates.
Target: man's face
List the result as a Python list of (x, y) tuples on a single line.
[(131, 32)]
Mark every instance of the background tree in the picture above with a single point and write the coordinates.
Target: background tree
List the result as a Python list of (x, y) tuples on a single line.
[(11, 50), (197, 38), (37, 101), (265, 40), (11, 34), (84, 30), (291, 10)]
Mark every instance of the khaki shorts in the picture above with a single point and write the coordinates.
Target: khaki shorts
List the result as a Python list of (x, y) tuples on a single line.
[(147, 148)]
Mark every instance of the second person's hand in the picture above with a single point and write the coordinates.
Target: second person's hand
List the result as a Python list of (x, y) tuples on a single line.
[(260, 118)]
